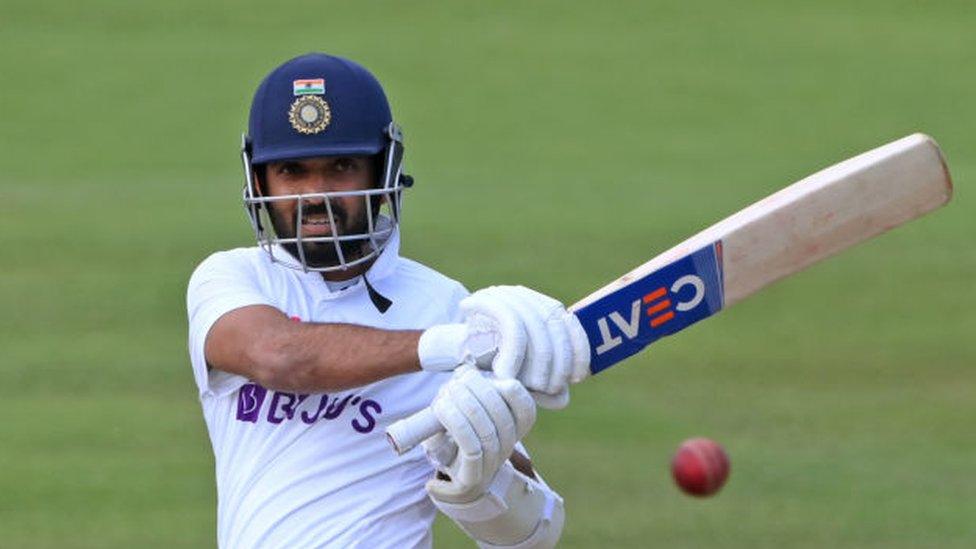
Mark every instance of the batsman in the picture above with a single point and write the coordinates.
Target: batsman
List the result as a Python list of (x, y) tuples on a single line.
[(307, 346)]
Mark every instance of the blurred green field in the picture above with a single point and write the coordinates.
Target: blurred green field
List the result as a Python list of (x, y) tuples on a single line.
[(555, 144)]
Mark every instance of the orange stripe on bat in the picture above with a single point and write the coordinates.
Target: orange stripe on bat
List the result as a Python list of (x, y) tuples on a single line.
[(655, 295), (658, 307), (657, 321)]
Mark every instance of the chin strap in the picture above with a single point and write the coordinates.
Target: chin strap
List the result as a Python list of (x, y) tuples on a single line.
[(381, 302)]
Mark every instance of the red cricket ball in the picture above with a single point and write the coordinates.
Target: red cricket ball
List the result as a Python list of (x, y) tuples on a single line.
[(700, 467)]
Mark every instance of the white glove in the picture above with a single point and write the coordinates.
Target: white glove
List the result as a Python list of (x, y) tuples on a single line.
[(539, 342), (483, 418)]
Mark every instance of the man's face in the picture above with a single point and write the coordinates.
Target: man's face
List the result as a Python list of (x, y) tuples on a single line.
[(320, 175)]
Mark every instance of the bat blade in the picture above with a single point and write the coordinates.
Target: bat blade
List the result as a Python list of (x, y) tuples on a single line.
[(780, 235)]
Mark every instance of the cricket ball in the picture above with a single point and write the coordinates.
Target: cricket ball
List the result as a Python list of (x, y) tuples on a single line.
[(700, 467)]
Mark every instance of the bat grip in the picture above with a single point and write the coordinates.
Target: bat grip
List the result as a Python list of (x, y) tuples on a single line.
[(410, 431)]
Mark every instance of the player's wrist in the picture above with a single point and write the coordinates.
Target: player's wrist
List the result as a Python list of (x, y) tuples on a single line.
[(475, 506), (444, 347), (439, 347)]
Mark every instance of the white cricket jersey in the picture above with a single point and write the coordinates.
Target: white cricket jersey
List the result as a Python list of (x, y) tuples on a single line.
[(316, 470)]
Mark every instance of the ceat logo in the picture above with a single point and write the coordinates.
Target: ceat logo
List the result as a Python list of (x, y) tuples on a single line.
[(659, 307)]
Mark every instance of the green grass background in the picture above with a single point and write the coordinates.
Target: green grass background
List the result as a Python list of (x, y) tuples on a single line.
[(555, 144)]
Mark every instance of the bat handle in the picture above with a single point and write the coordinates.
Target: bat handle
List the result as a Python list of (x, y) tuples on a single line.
[(410, 431)]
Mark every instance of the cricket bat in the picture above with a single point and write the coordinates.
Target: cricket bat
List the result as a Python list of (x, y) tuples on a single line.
[(780, 235)]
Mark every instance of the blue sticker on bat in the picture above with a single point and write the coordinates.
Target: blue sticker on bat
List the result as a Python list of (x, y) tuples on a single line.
[(664, 302)]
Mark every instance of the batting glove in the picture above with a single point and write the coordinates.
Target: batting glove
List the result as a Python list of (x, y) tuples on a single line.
[(483, 418), (540, 343)]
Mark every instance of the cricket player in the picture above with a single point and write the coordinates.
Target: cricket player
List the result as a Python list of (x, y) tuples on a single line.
[(307, 346)]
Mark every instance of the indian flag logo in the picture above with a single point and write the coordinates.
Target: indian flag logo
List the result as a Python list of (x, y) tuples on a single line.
[(308, 86)]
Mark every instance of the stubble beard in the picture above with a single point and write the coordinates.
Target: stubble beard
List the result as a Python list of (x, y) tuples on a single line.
[(323, 254)]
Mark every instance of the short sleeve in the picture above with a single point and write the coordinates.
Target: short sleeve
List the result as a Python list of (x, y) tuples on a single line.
[(223, 282)]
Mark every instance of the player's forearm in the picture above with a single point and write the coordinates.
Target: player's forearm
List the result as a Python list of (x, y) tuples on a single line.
[(334, 357)]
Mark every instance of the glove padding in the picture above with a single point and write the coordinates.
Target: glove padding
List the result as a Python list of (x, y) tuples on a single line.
[(483, 418), (444, 347), (538, 341)]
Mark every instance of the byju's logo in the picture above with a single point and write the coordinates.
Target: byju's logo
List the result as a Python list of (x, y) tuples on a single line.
[(249, 401), (284, 407)]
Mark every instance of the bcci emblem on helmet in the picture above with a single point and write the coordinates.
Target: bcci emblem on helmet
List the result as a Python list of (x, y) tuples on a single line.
[(309, 114)]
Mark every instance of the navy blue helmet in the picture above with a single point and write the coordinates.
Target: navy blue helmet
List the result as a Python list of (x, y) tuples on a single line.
[(344, 111)]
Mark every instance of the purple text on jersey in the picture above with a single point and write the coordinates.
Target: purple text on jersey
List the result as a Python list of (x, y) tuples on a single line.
[(286, 407)]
